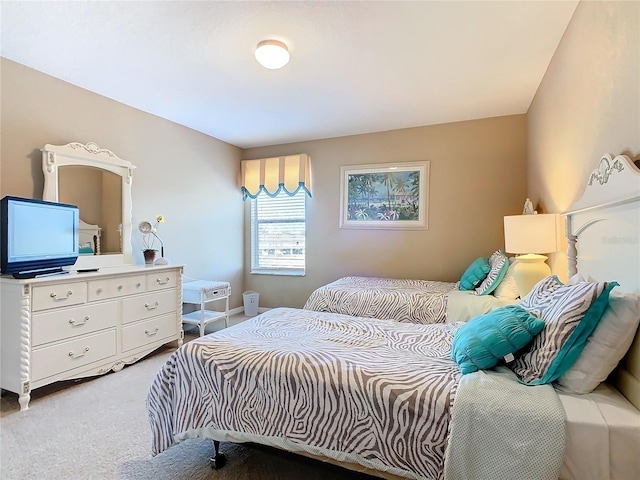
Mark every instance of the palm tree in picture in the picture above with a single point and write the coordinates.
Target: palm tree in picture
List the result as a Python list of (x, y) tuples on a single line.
[(387, 179), (414, 188), (366, 189), (400, 188)]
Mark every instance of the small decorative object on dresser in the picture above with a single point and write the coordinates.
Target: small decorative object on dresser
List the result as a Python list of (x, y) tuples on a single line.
[(149, 255), (149, 236)]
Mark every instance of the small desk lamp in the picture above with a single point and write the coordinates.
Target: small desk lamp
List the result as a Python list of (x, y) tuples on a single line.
[(529, 236)]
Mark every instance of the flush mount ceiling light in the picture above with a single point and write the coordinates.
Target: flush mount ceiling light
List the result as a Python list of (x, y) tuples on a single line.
[(272, 54)]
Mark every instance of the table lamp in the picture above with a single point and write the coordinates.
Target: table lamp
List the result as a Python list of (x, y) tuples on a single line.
[(529, 236)]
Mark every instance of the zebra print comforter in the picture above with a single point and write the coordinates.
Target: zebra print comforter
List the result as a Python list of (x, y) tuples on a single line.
[(404, 300), (372, 392)]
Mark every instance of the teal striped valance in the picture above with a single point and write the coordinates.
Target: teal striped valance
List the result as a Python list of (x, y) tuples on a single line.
[(274, 175)]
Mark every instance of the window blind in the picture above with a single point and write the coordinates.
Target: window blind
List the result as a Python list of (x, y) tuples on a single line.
[(278, 234)]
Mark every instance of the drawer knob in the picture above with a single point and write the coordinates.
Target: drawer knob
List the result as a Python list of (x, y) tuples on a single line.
[(99, 291), (138, 285), (162, 282), (119, 287), (73, 322), (151, 333), (55, 295), (151, 307), (78, 355)]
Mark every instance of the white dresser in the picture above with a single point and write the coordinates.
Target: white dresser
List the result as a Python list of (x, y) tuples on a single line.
[(84, 324)]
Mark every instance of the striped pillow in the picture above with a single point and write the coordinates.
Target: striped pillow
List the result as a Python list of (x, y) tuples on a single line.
[(570, 313), (499, 264)]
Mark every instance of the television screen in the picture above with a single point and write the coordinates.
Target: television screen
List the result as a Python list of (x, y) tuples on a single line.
[(37, 237)]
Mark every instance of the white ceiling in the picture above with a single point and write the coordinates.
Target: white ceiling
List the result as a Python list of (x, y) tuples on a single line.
[(356, 67)]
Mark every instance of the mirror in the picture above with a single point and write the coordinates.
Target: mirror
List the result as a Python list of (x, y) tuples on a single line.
[(99, 183), (98, 195)]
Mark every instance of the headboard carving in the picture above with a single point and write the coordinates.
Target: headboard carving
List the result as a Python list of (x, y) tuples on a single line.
[(603, 234), (606, 167), (615, 180)]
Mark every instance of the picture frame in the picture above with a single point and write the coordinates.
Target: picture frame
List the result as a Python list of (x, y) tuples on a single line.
[(385, 196)]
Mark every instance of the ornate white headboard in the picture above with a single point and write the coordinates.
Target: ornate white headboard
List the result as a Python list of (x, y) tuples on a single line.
[(603, 232)]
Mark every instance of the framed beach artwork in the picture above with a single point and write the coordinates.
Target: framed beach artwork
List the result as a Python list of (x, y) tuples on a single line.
[(385, 196)]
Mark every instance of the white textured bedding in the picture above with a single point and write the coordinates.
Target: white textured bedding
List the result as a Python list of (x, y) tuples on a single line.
[(403, 300), (462, 306), (504, 430), (603, 436)]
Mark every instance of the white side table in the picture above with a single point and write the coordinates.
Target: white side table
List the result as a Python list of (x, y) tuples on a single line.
[(201, 292)]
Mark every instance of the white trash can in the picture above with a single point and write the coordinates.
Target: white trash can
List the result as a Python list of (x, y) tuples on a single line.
[(250, 299)]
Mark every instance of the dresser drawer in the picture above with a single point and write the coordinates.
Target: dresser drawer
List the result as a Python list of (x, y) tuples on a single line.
[(148, 331), (59, 295), (54, 359), (149, 305), (160, 280), (65, 323), (116, 287)]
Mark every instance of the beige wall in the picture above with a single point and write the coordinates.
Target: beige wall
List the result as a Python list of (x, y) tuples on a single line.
[(187, 176), (478, 175), (587, 105)]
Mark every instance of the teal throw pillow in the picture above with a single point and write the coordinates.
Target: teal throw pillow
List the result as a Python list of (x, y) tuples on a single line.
[(483, 341), (475, 274)]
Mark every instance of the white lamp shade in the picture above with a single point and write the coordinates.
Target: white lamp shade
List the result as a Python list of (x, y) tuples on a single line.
[(272, 54), (531, 233)]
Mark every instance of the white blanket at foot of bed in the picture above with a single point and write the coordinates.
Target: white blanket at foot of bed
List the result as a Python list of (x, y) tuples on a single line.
[(501, 429)]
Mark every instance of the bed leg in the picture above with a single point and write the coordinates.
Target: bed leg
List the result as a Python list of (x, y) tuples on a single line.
[(219, 460)]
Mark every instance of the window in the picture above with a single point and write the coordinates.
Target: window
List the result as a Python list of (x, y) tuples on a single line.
[(278, 234)]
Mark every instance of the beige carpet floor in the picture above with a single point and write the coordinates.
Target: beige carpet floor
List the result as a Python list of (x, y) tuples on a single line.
[(98, 429)]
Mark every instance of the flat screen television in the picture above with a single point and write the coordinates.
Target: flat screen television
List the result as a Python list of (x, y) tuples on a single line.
[(37, 237)]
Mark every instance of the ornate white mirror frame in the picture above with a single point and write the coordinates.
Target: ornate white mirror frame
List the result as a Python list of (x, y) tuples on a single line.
[(91, 155)]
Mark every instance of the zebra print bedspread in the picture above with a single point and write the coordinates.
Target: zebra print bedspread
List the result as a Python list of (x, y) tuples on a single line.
[(404, 300), (373, 392)]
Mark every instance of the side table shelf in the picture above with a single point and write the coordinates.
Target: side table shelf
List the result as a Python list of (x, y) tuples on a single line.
[(201, 292)]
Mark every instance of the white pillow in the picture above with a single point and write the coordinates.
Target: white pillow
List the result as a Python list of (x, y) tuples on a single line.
[(606, 346), (463, 305), (578, 277), (507, 288)]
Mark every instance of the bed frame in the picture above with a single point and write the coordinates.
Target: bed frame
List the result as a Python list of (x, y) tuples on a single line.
[(603, 229), (603, 233)]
